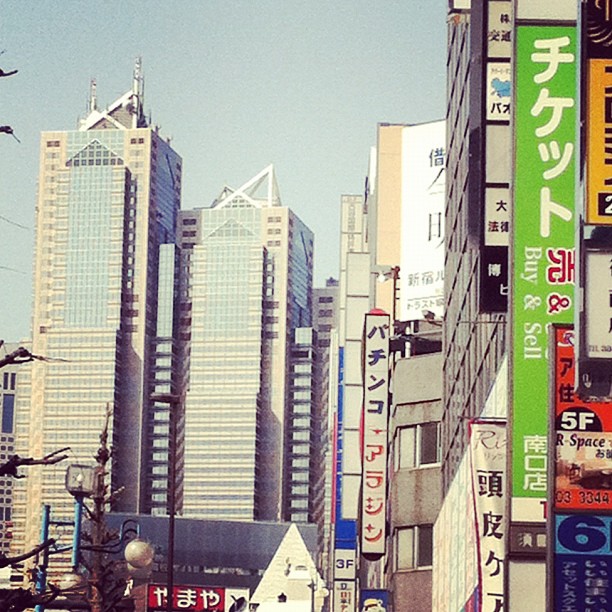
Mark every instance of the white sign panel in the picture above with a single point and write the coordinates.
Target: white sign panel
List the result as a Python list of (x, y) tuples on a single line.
[(488, 453), (344, 596), (497, 216), (499, 79), (422, 236), (499, 32), (375, 417), (598, 304), (344, 564)]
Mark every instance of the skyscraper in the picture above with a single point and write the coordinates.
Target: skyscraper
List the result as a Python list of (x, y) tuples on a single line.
[(105, 263), (249, 262), (9, 390)]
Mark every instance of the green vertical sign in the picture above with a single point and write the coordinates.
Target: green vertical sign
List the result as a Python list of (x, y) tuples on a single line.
[(543, 242)]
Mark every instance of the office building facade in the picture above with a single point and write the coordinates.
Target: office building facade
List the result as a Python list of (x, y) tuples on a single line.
[(474, 331), (108, 200), (9, 390), (248, 265)]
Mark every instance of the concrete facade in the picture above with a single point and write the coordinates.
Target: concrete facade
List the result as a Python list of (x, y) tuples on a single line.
[(415, 492)]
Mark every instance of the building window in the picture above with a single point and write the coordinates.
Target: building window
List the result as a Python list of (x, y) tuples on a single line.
[(189, 221), (416, 446), (8, 412), (326, 299), (413, 547)]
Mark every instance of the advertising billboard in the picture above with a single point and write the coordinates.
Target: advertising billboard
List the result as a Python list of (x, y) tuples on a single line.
[(598, 139), (423, 198), (543, 244), (375, 423), (583, 438), (583, 563), (197, 598), (594, 225)]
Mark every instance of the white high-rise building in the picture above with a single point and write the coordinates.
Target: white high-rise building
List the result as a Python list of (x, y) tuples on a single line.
[(104, 280), (249, 262)]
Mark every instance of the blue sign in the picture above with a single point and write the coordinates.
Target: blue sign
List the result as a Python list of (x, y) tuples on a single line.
[(373, 600), (583, 563), (345, 530)]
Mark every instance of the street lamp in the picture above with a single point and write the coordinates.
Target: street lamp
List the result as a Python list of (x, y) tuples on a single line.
[(383, 274), (173, 401), (137, 553)]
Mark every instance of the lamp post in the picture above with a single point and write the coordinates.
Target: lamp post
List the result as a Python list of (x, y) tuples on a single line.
[(383, 274), (173, 401)]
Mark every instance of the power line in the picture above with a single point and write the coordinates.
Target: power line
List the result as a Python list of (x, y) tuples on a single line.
[(25, 227), (12, 270)]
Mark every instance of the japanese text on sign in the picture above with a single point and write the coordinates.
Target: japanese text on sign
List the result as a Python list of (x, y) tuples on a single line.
[(375, 416)]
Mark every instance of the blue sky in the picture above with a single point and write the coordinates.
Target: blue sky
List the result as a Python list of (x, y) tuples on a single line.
[(236, 84)]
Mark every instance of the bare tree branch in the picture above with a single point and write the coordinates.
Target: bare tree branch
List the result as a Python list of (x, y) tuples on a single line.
[(23, 355), (6, 561), (20, 355), (7, 129), (10, 467)]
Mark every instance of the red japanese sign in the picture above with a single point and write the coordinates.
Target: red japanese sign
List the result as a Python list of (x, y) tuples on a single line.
[(583, 438), (187, 598)]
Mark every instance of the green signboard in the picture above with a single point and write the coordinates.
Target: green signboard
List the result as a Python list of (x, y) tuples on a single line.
[(543, 243)]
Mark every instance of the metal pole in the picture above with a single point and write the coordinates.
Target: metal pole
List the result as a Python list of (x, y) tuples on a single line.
[(41, 575), (173, 402), (171, 503), (312, 595), (76, 537)]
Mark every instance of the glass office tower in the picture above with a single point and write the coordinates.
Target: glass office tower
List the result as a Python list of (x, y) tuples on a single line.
[(249, 262), (108, 200)]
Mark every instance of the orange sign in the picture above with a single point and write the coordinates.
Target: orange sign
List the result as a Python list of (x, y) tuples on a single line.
[(583, 438), (599, 142)]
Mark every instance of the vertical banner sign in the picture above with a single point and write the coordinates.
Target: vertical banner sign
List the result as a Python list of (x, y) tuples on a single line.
[(543, 244), (594, 313), (497, 48), (583, 563), (344, 596), (375, 417), (345, 538), (582, 566), (598, 115), (488, 460)]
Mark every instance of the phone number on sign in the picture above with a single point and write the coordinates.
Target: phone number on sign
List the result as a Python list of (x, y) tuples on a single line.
[(569, 499)]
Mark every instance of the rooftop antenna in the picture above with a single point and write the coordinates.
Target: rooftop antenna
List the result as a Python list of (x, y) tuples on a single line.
[(93, 100), (137, 89)]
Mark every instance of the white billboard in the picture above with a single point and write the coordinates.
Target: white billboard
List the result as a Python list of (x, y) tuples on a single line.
[(423, 195)]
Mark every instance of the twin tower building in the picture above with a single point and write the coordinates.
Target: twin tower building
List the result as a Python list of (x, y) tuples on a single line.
[(135, 299)]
